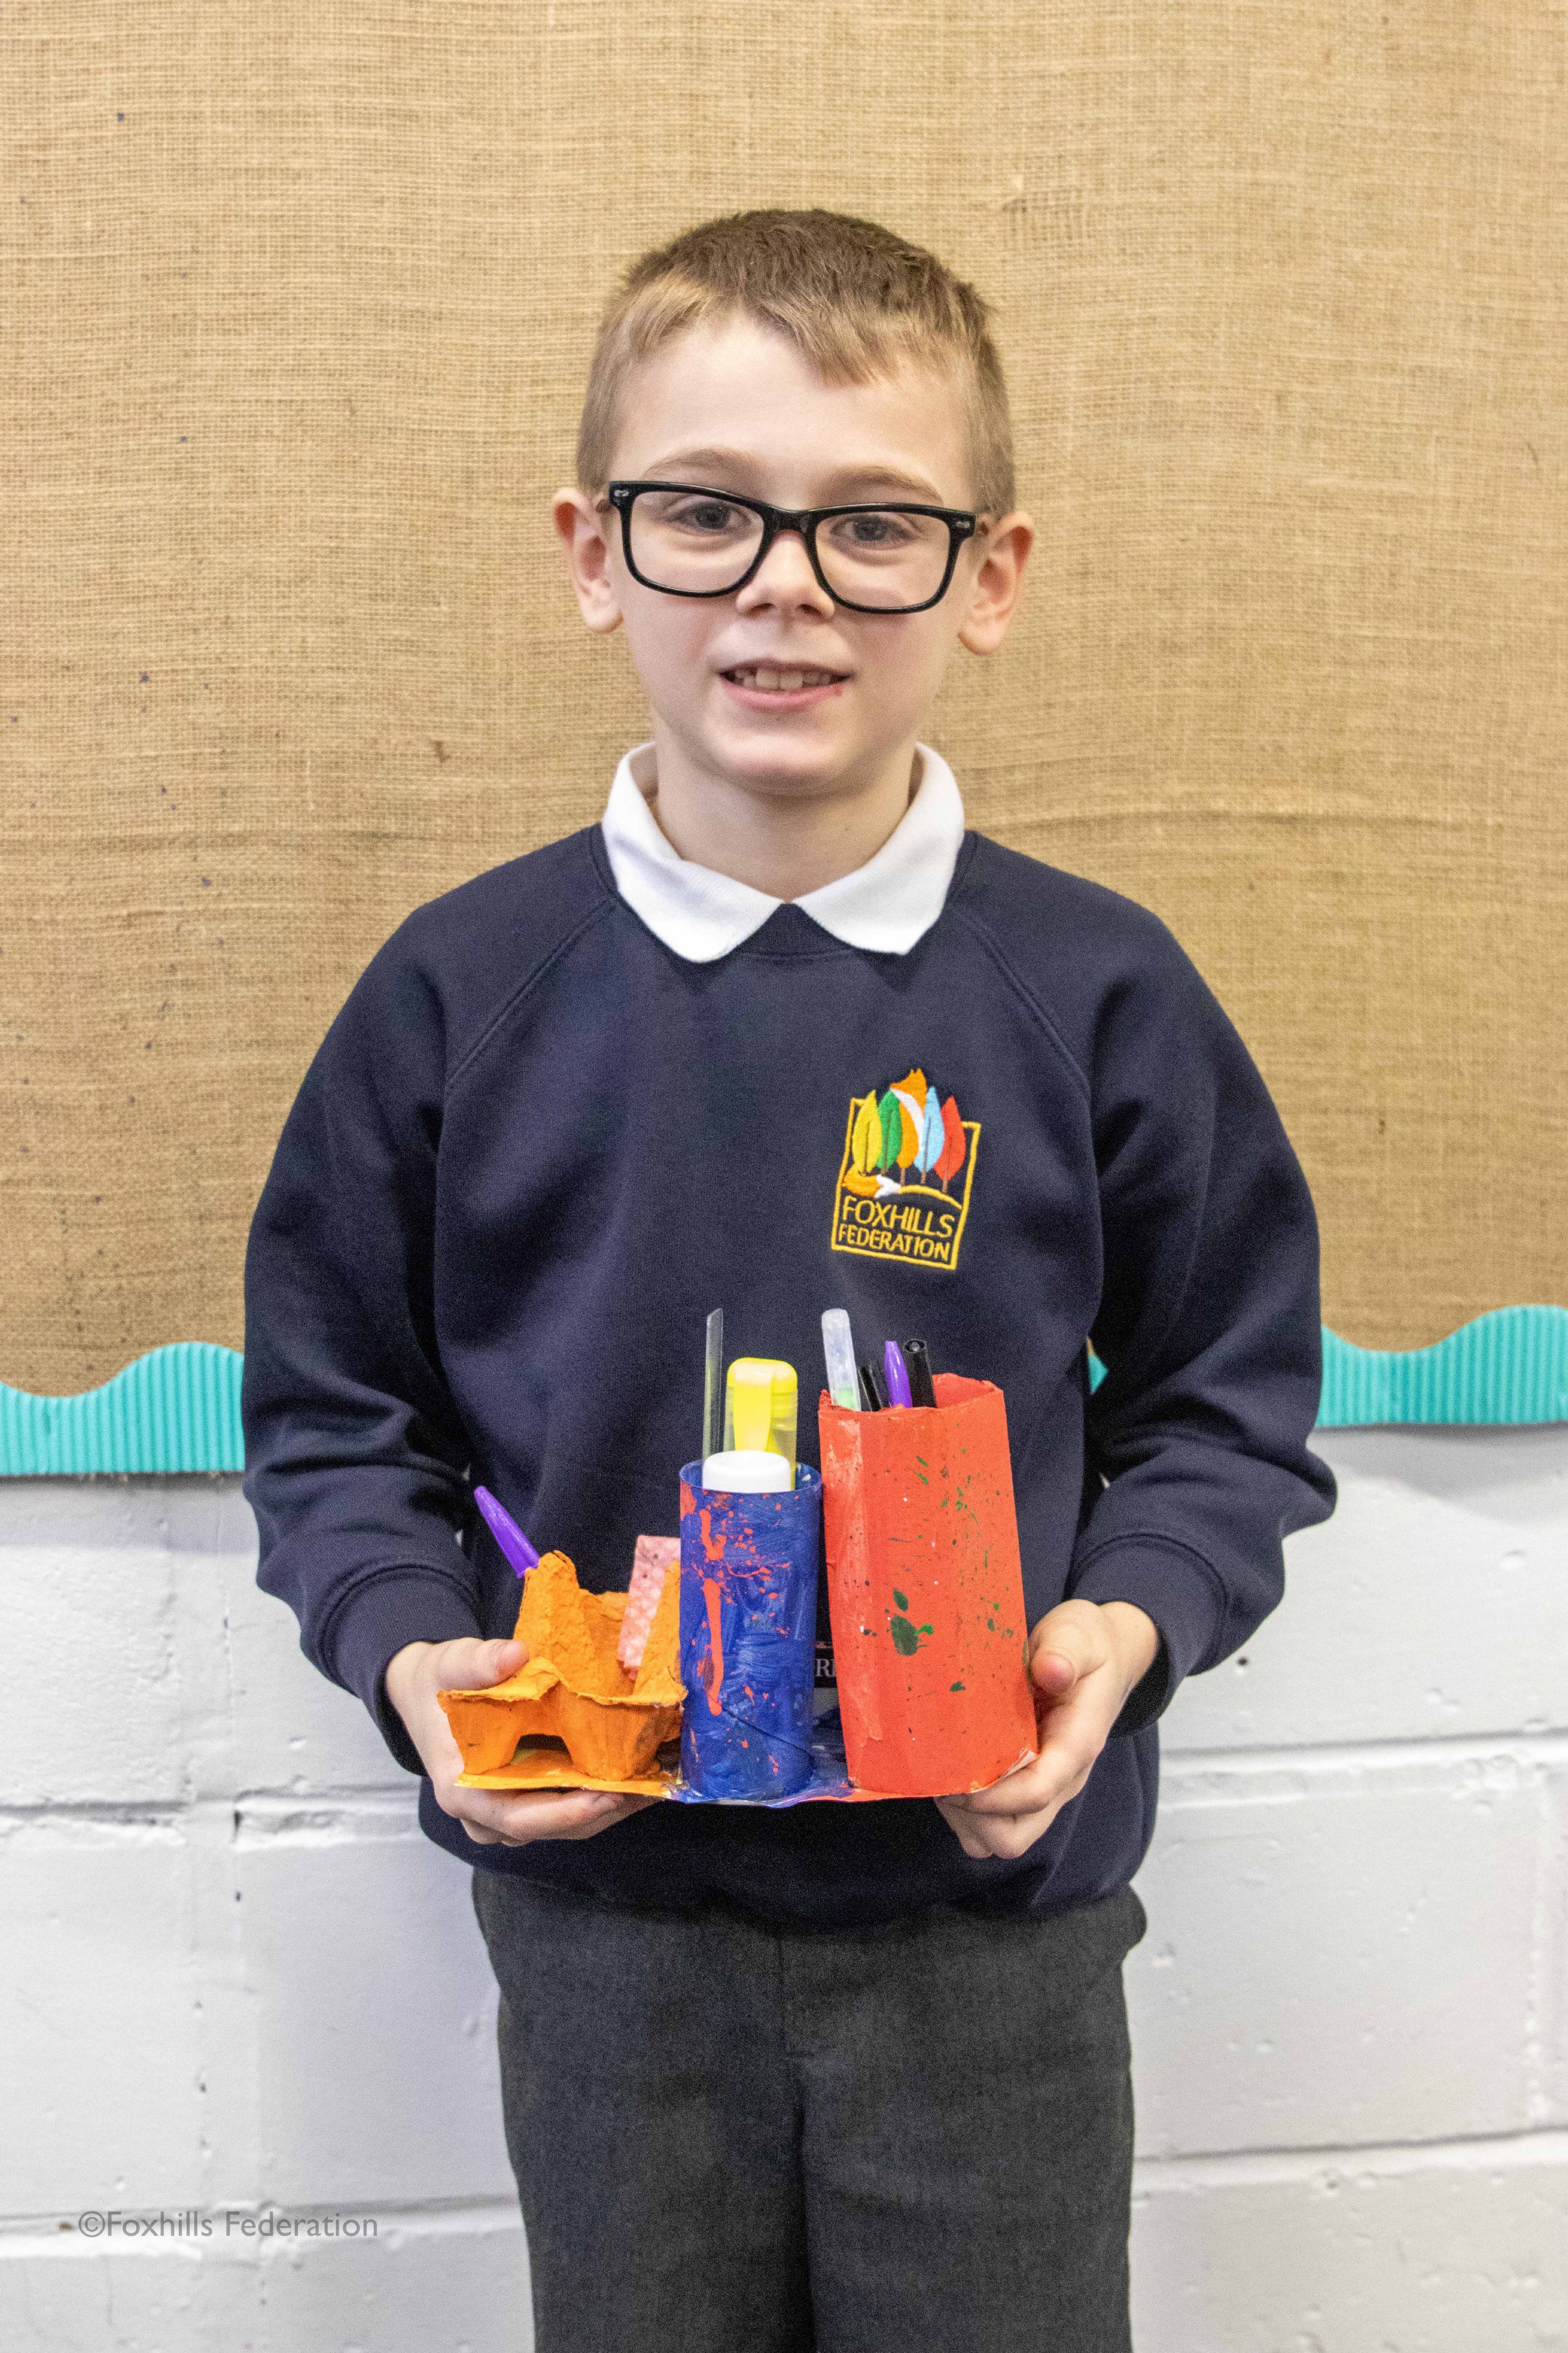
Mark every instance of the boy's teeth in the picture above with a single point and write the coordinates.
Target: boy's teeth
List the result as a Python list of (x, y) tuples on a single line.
[(785, 682)]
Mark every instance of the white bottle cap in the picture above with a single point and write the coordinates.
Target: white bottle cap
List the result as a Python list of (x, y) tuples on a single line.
[(748, 1470)]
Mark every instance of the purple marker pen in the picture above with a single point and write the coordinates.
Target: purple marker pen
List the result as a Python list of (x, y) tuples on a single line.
[(506, 1532), (896, 1373)]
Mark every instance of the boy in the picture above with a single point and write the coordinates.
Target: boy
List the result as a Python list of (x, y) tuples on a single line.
[(843, 2076)]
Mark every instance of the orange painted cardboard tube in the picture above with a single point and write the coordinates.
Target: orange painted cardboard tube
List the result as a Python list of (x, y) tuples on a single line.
[(926, 1592)]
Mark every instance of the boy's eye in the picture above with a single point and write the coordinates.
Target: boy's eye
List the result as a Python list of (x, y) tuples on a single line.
[(709, 517), (866, 532)]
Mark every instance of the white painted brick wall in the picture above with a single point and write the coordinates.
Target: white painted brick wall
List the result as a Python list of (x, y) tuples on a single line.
[(233, 1978)]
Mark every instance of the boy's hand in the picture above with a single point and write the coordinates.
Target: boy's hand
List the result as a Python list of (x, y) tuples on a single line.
[(1084, 1658), (490, 1816)]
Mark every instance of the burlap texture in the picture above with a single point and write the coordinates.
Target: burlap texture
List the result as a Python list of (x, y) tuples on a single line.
[(300, 299)]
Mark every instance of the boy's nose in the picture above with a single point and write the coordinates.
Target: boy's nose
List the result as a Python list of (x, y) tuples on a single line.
[(785, 577)]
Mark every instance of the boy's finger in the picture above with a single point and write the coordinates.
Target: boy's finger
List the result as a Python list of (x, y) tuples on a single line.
[(545, 1814), (1070, 1743), (1053, 1672), (470, 1665), (1043, 1783), (1007, 1841), (1068, 1642), (558, 1830), (537, 1809), (1044, 1789), (970, 1839), (997, 1837), (616, 1810)]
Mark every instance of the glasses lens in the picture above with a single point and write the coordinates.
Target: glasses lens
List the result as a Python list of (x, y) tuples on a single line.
[(878, 557), (693, 542)]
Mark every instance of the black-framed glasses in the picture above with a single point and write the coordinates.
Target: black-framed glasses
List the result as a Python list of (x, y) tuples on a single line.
[(686, 541)]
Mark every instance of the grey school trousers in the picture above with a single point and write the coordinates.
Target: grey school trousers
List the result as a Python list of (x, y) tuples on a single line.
[(735, 2137)]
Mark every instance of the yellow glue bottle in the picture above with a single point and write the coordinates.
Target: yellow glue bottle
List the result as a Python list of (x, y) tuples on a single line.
[(761, 1407)]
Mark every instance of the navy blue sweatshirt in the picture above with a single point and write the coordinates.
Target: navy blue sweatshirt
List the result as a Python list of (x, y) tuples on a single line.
[(537, 1147)]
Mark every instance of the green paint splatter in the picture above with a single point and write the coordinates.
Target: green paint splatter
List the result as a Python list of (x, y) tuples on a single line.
[(901, 1598), (958, 1687), (907, 1638)]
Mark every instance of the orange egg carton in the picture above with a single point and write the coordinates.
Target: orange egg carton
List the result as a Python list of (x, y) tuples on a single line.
[(573, 1689)]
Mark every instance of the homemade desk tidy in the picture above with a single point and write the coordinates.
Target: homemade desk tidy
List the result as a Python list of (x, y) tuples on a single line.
[(697, 1683)]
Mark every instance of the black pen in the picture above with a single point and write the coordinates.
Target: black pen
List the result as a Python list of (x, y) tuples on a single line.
[(917, 1356), (873, 1396)]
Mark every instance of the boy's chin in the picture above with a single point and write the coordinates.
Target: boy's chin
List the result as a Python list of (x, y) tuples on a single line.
[(777, 765), (806, 748)]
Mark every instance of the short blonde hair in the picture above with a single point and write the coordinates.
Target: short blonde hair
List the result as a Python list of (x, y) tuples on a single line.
[(851, 297)]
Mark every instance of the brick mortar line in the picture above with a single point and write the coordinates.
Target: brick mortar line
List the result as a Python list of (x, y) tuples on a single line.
[(133, 1813), (1544, 1747), (1455, 2153)]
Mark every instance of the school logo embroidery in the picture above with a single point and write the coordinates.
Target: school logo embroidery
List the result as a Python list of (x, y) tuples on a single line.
[(903, 1149)]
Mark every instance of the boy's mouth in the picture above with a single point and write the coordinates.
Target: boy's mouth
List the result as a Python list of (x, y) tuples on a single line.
[(781, 685)]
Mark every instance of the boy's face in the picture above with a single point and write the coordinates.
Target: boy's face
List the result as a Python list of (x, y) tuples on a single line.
[(737, 408)]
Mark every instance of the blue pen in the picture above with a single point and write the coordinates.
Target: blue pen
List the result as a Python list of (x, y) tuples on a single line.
[(896, 1373), (506, 1532)]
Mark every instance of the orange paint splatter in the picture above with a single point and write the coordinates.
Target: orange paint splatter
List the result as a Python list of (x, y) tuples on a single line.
[(715, 1638)]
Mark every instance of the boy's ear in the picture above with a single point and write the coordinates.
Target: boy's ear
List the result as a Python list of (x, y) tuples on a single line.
[(585, 533), (998, 582)]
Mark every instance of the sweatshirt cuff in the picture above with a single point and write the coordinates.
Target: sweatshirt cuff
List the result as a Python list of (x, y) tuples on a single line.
[(1179, 1591), (395, 1606)]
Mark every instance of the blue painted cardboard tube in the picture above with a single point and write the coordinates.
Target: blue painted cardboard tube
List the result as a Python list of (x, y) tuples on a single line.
[(748, 1635)]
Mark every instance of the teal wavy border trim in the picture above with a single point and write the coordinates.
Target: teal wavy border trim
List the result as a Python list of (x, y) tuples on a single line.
[(175, 1409), (1509, 1366), (178, 1409)]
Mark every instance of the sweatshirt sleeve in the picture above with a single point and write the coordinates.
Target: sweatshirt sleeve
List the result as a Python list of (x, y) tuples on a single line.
[(1208, 1327), (355, 1456)]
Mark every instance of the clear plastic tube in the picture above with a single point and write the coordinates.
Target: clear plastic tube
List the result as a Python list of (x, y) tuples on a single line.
[(838, 1350)]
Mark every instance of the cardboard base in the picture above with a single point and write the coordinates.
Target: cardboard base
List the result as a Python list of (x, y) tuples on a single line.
[(545, 1765)]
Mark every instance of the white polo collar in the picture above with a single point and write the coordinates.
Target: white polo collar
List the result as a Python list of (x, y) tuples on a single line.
[(885, 905)]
